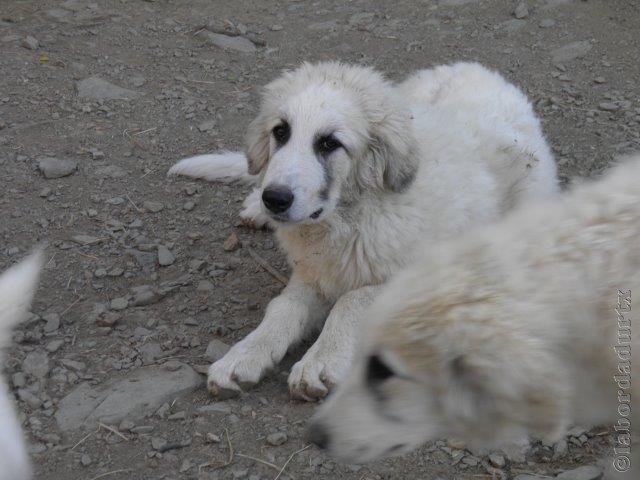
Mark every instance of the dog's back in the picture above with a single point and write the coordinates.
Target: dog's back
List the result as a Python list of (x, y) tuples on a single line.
[(17, 286)]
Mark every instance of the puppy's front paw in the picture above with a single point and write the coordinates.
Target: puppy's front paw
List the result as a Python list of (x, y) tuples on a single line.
[(240, 367), (316, 374)]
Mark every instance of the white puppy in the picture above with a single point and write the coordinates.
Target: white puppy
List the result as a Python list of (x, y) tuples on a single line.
[(352, 171), (522, 328), (17, 286)]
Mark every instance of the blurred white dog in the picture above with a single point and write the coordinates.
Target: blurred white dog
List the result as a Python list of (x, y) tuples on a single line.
[(522, 328), (352, 171), (17, 286)]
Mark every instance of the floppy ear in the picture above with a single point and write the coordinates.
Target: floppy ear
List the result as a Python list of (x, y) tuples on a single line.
[(258, 139), (394, 151), (510, 390)]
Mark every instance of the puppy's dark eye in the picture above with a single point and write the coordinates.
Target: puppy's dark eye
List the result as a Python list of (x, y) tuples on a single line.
[(328, 144), (377, 371), (282, 133)]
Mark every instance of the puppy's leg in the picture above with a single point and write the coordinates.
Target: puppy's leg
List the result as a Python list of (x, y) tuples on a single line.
[(328, 360), (288, 317)]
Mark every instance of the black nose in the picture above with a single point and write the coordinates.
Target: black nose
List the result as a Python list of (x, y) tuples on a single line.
[(318, 435), (277, 199)]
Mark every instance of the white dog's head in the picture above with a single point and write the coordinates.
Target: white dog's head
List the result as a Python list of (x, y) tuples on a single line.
[(326, 133), (442, 359)]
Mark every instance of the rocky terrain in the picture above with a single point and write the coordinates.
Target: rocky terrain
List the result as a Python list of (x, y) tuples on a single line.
[(148, 279)]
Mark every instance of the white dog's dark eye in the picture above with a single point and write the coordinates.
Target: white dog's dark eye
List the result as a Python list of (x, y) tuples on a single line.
[(328, 144), (282, 133), (377, 371)]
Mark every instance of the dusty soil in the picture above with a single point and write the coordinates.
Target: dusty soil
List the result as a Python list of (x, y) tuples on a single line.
[(578, 61)]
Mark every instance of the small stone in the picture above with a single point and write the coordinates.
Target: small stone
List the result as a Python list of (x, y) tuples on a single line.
[(497, 460), (571, 51), (29, 43), (158, 443), (18, 380), (45, 192), (211, 438), (53, 322), (600, 80), (216, 350), (100, 272), (521, 11), (231, 243), (29, 398), (205, 286), (165, 257), (36, 364), (275, 28), (547, 23), (239, 44), (92, 213), (207, 125), (119, 303), (276, 439), (153, 207), (609, 106), (188, 206), (582, 473), (85, 460), (56, 167), (95, 88)]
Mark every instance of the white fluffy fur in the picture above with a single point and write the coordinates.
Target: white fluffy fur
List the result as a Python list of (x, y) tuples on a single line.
[(17, 286), (506, 332), (426, 159)]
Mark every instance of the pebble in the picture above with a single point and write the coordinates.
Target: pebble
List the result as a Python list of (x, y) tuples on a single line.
[(153, 207), (547, 23), (36, 364), (497, 460), (588, 472), (521, 11), (207, 125), (96, 88), (571, 51), (165, 257), (239, 44), (53, 322), (232, 243), (205, 286), (85, 460), (29, 43), (188, 206), (216, 350), (119, 303), (276, 439), (54, 345), (600, 80), (609, 106), (211, 438), (56, 167)]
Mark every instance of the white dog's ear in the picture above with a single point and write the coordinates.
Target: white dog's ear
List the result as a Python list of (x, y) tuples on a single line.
[(513, 390), (394, 151), (258, 140)]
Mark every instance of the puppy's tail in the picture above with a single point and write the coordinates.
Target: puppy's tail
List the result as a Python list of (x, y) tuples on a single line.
[(17, 286), (221, 167)]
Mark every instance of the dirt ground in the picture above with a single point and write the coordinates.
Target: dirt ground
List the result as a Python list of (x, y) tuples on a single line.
[(113, 219)]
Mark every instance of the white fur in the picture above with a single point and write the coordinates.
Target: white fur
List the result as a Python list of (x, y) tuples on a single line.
[(506, 332), (423, 160), (17, 286)]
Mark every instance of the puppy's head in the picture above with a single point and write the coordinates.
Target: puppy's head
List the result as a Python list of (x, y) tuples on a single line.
[(442, 360), (324, 134)]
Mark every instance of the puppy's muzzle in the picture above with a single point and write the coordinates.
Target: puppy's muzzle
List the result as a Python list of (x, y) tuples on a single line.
[(277, 198)]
